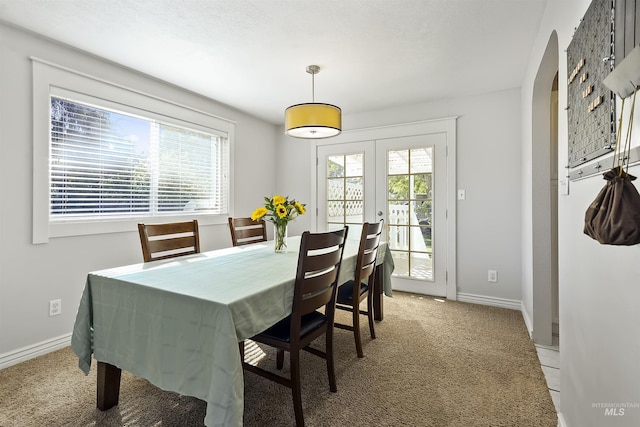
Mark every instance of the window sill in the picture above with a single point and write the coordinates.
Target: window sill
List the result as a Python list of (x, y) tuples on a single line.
[(123, 225)]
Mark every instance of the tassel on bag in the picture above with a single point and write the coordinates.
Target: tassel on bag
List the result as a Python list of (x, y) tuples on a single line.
[(613, 218)]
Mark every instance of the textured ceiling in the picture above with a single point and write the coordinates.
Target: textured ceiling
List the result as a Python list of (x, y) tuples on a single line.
[(252, 54)]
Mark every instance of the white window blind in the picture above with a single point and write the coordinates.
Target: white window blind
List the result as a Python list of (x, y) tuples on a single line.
[(108, 163)]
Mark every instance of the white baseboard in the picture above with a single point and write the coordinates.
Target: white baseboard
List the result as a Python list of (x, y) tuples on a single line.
[(527, 320), (26, 353), (493, 301), (561, 421)]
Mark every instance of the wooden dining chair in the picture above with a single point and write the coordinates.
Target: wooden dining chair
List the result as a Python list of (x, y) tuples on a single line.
[(245, 231), (168, 240), (315, 287), (351, 295)]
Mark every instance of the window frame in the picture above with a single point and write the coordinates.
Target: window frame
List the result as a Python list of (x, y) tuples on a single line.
[(52, 79)]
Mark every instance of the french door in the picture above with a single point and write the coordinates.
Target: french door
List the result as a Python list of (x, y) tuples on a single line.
[(407, 180)]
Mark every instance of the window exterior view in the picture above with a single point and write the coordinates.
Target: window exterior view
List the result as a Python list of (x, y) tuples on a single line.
[(107, 163)]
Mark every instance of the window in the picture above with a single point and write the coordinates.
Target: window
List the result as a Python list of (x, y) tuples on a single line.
[(108, 163), (106, 156)]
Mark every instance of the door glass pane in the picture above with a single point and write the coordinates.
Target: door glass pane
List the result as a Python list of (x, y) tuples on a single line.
[(421, 266), (398, 162), (424, 213), (415, 265), (335, 211), (413, 217), (398, 214), (398, 237), (332, 227), (345, 189), (410, 211), (401, 263), (421, 160), (354, 212), (398, 186), (420, 239), (354, 164), (335, 189), (426, 236), (335, 166), (354, 189), (422, 185)]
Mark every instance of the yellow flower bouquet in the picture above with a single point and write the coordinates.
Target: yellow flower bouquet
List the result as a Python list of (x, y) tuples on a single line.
[(279, 211)]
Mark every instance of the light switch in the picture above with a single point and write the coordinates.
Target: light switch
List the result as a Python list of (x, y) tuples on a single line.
[(461, 195)]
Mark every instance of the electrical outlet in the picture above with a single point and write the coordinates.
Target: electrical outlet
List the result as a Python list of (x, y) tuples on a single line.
[(493, 276), (55, 307)]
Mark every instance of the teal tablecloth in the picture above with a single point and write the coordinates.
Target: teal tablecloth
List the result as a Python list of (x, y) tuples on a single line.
[(177, 322)]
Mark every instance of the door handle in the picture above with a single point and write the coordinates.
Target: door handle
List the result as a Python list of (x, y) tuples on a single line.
[(380, 213)]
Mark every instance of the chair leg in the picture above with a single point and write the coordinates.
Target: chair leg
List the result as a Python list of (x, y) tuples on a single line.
[(296, 390), (241, 348), (356, 329), (331, 371), (370, 314), (280, 359)]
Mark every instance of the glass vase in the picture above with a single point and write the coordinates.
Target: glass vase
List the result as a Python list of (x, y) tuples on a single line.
[(280, 233)]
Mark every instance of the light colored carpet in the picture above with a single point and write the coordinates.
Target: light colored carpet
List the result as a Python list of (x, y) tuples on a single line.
[(433, 364)]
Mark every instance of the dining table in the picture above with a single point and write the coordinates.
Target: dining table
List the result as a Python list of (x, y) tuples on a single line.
[(177, 322)]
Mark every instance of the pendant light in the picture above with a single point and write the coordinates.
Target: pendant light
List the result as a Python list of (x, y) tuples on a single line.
[(313, 120)]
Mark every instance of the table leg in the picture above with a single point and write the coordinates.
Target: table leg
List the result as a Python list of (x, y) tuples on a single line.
[(108, 386), (377, 293)]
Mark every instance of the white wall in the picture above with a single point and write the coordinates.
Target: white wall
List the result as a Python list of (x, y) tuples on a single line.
[(31, 275), (488, 166), (598, 284)]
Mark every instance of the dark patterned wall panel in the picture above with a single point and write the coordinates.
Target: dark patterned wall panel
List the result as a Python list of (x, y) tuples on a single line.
[(591, 106)]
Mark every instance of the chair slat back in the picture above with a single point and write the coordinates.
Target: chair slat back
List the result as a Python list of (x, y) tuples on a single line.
[(245, 231), (319, 263), (169, 240), (368, 250)]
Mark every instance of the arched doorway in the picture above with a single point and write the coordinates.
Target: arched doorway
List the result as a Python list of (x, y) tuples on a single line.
[(544, 195)]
